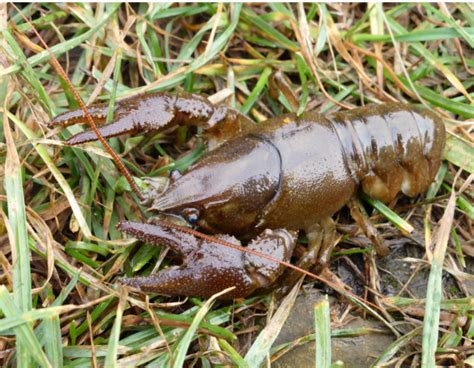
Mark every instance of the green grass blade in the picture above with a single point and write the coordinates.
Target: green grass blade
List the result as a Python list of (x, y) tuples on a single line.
[(140, 28), (24, 333), (449, 20), (182, 347), (112, 348), (218, 45), (434, 291), (215, 330), (460, 153), (428, 56), (466, 10), (31, 316), (43, 57), (28, 72), (190, 47), (413, 36), (268, 30), (303, 69), (43, 152), (233, 354), (252, 99), (18, 236), (53, 345), (395, 347), (322, 325), (436, 99), (389, 214), (49, 331)]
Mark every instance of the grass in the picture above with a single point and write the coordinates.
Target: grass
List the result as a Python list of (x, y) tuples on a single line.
[(61, 255), (322, 321)]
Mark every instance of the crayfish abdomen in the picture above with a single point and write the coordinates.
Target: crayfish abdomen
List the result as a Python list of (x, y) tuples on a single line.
[(384, 149)]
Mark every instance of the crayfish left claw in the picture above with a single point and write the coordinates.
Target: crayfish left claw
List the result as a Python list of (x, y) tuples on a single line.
[(131, 115), (209, 267), (154, 112)]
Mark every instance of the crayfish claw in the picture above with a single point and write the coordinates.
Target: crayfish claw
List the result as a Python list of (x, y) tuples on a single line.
[(279, 244), (156, 112), (97, 112), (133, 115), (183, 281), (179, 242), (122, 124), (208, 265)]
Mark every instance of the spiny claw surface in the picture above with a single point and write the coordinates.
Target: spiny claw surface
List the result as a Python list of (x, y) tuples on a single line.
[(209, 267)]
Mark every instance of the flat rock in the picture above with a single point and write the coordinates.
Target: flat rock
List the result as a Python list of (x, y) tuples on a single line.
[(356, 351)]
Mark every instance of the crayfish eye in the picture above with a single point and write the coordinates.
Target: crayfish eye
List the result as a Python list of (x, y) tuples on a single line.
[(191, 215)]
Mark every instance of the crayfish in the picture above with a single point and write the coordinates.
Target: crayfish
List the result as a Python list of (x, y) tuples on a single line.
[(262, 183)]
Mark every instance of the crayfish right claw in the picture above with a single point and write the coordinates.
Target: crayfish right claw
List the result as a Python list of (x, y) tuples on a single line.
[(209, 266)]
